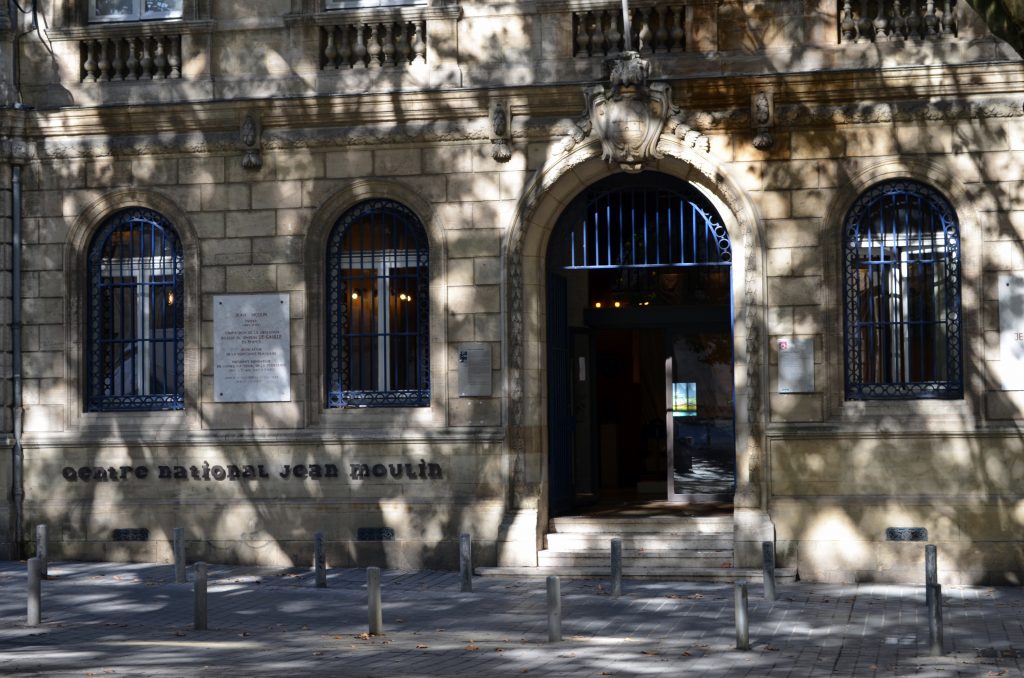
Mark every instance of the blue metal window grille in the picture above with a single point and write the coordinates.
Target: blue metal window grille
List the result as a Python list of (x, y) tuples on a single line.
[(136, 320), (378, 308), (642, 224), (901, 259)]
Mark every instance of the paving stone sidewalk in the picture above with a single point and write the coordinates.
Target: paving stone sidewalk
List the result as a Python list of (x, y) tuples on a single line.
[(108, 619)]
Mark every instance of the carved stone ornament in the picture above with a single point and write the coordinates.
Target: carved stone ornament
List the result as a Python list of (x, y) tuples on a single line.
[(251, 134), (501, 133), (762, 118), (630, 116)]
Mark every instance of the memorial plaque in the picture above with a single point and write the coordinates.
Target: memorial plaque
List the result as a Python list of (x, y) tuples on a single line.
[(251, 348), (796, 365), (1011, 331), (474, 370)]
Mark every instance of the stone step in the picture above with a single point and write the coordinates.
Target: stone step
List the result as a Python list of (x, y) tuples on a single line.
[(706, 559), (713, 525), (586, 541), (695, 574)]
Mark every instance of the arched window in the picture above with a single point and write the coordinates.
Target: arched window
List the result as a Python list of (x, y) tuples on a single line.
[(136, 319), (901, 258), (378, 326)]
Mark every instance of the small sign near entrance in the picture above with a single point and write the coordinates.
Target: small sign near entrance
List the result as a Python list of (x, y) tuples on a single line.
[(796, 365), (1011, 331), (474, 370)]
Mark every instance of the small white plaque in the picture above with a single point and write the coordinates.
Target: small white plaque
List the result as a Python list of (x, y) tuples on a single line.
[(1011, 331), (251, 348), (796, 365), (474, 370)]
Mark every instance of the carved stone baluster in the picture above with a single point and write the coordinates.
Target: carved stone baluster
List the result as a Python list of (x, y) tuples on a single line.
[(913, 22), (848, 27), (159, 60), (880, 23), (174, 58), (614, 35), (117, 64), (402, 48), (582, 37), (678, 33), (90, 62), (419, 45), (330, 55), (597, 39), (344, 47), (359, 49), (644, 35), (104, 63), (949, 18), (132, 65), (146, 63), (373, 47), (864, 31), (389, 45), (899, 22), (931, 22), (661, 35)]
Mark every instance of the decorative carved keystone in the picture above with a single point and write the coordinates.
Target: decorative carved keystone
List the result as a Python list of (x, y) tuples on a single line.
[(631, 115), (251, 135), (501, 133), (762, 114)]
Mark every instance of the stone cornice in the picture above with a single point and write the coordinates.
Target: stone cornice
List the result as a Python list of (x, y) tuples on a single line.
[(707, 104)]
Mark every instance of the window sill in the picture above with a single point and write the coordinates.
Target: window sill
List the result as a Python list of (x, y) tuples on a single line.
[(163, 420)]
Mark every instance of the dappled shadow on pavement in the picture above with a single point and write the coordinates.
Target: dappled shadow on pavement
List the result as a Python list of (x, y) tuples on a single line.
[(114, 619)]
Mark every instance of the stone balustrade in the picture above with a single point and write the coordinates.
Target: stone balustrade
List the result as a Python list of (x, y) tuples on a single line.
[(895, 20), (654, 29), (370, 44), (119, 58)]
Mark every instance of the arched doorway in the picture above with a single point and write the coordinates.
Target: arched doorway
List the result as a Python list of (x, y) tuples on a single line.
[(640, 346)]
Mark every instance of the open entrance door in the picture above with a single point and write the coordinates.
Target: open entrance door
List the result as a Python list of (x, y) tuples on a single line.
[(640, 364)]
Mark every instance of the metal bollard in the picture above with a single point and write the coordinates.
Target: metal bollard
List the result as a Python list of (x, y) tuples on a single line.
[(466, 561), (35, 593), (554, 610), (42, 550), (616, 567), (374, 614), (742, 619), (178, 546), (320, 560), (199, 609), (931, 572), (768, 554), (935, 640)]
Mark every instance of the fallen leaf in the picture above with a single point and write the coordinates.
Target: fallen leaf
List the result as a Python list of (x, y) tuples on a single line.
[(686, 654), (471, 647), (318, 653), (363, 636), (649, 653), (769, 648), (422, 647), (499, 649), (695, 596)]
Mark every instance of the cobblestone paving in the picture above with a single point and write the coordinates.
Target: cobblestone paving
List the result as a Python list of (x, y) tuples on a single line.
[(103, 619)]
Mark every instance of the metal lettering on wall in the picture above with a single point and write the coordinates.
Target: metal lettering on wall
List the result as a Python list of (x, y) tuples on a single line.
[(215, 472)]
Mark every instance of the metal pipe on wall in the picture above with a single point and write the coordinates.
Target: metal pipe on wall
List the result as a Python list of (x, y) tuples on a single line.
[(16, 401)]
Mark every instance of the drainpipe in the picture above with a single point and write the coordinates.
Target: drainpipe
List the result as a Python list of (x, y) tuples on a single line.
[(18, 456)]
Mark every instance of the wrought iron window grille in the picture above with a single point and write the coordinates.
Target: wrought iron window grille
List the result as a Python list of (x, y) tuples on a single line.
[(136, 329), (378, 328), (902, 279)]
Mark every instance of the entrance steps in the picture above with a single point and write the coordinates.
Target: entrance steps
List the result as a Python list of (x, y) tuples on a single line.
[(666, 547)]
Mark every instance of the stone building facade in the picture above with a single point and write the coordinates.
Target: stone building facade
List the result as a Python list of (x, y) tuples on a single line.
[(255, 132)]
